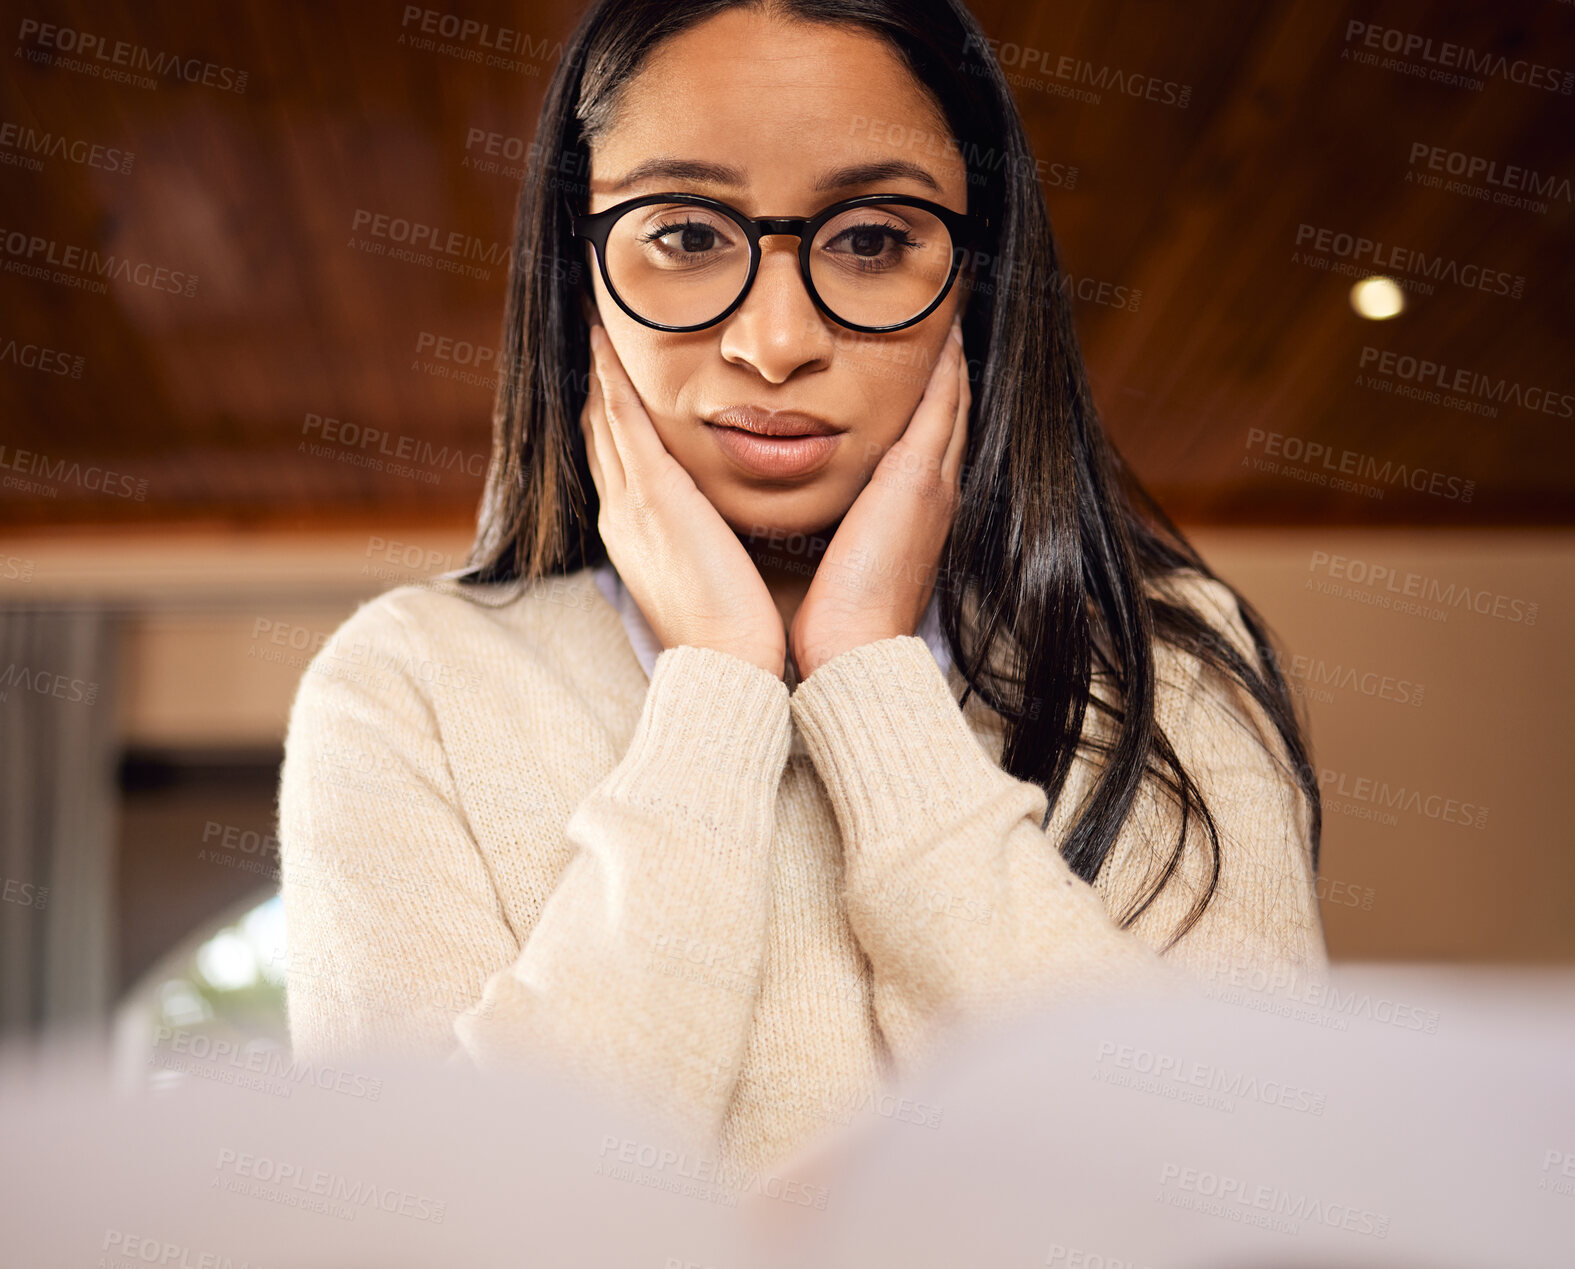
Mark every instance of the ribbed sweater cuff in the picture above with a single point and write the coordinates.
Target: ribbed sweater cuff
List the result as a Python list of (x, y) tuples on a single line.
[(714, 733), (890, 744)]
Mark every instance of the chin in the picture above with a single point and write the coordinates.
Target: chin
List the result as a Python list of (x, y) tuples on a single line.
[(806, 510)]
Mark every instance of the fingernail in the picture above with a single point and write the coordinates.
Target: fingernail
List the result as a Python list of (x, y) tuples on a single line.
[(957, 330)]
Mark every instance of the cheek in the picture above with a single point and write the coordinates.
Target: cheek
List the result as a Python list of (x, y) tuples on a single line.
[(890, 380), (659, 373)]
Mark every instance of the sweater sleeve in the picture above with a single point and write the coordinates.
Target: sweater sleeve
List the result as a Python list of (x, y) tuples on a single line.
[(397, 938), (964, 904)]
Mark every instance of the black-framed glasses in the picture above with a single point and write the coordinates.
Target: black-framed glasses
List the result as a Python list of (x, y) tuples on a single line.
[(682, 262)]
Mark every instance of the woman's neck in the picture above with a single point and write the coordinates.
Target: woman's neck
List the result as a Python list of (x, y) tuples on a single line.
[(787, 564)]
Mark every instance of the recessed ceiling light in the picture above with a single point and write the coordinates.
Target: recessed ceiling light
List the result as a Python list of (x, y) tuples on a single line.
[(1377, 298)]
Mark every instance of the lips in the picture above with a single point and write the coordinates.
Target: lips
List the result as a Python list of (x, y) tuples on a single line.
[(748, 418), (780, 444)]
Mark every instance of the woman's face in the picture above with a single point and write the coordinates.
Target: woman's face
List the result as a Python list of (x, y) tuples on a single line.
[(782, 104)]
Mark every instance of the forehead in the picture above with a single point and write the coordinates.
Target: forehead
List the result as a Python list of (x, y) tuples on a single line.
[(782, 103)]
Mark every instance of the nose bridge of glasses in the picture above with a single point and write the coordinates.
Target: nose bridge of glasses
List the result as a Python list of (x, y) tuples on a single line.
[(782, 235), (773, 225), (786, 270)]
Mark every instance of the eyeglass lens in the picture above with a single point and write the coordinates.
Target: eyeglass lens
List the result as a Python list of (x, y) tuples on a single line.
[(683, 264)]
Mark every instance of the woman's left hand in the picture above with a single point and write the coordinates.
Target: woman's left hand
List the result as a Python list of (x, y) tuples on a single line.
[(877, 575)]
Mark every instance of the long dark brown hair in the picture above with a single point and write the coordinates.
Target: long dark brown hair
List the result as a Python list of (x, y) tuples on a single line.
[(1055, 542)]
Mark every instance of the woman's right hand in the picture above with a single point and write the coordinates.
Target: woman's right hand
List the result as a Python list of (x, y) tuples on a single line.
[(685, 567)]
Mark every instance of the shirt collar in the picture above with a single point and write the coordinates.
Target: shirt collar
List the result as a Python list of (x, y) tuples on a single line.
[(648, 647)]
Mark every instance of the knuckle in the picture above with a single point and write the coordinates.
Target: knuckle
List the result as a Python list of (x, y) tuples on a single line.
[(638, 502)]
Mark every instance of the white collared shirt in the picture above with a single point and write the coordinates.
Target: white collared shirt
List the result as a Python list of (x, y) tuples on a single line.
[(648, 647)]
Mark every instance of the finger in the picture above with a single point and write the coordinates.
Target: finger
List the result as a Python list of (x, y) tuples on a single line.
[(588, 431), (935, 418), (630, 427), (957, 446), (607, 455)]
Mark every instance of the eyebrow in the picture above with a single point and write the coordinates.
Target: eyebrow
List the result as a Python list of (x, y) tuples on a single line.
[(723, 174)]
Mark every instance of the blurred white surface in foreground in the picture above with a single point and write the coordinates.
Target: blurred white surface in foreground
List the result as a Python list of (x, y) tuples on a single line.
[(1413, 1117)]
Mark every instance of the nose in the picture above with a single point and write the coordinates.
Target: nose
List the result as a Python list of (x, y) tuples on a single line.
[(777, 330)]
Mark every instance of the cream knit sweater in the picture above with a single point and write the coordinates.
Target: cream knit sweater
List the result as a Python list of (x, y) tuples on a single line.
[(503, 842)]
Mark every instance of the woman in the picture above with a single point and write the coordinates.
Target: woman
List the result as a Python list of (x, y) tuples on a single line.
[(737, 788)]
